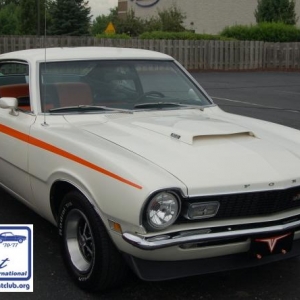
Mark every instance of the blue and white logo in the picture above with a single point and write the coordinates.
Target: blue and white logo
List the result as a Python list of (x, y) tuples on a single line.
[(3, 263), (10, 237), (146, 3), (16, 258)]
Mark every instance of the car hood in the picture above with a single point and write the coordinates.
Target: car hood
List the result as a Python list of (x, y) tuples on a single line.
[(208, 154)]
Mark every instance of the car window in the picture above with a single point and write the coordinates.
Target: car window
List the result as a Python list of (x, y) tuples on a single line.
[(173, 85), (14, 81), (123, 84), (13, 73)]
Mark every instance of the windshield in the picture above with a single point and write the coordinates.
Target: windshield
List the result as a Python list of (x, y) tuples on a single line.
[(125, 84)]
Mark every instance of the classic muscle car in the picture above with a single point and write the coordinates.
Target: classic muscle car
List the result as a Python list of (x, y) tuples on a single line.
[(10, 237), (130, 158)]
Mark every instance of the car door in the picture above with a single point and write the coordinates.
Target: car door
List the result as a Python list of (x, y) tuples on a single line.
[(14, 130), (9, 237)]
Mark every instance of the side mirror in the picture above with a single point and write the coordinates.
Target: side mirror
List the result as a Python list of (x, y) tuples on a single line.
[(9, 103)]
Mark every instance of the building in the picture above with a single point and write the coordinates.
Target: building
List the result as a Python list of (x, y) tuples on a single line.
[(202, 16)]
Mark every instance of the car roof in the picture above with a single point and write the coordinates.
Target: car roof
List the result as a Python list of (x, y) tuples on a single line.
[(78, 53)]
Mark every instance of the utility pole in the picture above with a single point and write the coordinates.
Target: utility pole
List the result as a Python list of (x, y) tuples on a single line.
[(38, 18)]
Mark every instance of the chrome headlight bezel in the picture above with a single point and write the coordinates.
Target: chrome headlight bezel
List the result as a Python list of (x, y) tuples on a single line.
[(170, 204)]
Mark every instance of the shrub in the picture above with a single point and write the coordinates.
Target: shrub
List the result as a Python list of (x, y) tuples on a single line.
[(172, 19), (185, 35), (113, 36), (282, 11), (268, 32)]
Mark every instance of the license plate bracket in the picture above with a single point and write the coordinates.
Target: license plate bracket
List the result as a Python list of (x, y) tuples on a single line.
[(266, 245)]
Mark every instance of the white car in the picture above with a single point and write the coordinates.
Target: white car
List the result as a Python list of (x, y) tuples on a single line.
[(134, 163)]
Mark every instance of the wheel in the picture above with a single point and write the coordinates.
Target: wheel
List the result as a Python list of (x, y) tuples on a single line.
[(20, 241), (88, 252), (1, 241)]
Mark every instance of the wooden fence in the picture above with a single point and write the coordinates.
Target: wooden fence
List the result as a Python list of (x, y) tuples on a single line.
[(194, 55)]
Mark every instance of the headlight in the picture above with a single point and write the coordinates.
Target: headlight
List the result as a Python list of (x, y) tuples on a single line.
[(162, 211)]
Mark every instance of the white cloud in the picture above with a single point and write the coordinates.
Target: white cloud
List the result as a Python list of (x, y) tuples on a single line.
[(101, 7)]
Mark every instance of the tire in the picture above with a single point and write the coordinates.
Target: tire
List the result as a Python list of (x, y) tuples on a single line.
[(88, 252), (20, 241)]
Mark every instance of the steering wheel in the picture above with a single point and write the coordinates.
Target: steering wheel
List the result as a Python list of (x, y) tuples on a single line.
[(151, 93), (154, 93)]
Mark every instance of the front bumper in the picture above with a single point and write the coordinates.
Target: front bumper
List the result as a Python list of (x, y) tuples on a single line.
[(211, 234), (162, 270)]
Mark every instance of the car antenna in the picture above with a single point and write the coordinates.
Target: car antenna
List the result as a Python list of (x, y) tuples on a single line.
[(45, 67)]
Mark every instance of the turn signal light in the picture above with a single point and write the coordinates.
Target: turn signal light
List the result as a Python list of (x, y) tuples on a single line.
[(115, 226), (202, 210)]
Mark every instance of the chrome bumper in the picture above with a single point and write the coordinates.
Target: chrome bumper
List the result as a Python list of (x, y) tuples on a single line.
[(186, 237)]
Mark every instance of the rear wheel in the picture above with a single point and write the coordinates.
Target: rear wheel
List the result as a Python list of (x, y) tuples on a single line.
[(89, 254)]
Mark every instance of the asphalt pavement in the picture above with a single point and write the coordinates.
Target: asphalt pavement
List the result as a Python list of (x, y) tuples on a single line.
[(270, 96)]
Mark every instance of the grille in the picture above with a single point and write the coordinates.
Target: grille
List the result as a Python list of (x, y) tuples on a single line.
[(252, 204)]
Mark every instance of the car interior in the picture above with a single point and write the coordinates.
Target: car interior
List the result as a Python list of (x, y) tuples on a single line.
[(13, 83)]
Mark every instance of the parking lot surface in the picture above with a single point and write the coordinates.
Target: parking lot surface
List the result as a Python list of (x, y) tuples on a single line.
[(270, 96)]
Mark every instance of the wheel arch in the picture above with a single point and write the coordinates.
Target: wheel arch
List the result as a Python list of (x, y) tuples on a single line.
[(58, 190)]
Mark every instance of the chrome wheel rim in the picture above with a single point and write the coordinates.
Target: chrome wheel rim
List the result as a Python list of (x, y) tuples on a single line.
[(79, 240)]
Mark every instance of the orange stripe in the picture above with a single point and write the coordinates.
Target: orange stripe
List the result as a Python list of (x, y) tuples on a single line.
[(48, 147)]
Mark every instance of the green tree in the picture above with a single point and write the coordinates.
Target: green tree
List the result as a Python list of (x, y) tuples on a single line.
[(167, 20), (32, 16), (172, 19), (100, 23), (9, 19), (130, 25), (8, 2), (153, 24), (282, 11), (70, 17)]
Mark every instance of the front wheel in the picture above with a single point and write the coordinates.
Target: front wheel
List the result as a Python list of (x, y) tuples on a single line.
[(89, 254)]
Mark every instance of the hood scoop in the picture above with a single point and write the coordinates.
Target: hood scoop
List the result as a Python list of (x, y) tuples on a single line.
[(191, 131)]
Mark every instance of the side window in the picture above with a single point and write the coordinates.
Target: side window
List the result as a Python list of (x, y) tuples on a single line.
[(14, 83)]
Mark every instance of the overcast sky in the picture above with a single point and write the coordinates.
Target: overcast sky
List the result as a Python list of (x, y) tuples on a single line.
[(101, 7)]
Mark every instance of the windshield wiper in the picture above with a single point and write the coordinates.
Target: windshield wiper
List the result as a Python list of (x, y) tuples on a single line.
[(82, 108), (161, 105)]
